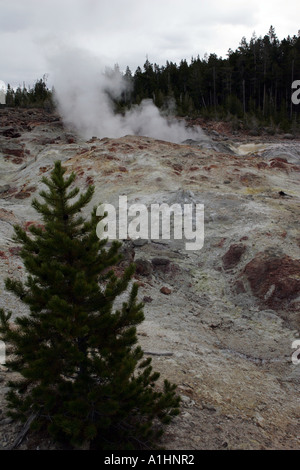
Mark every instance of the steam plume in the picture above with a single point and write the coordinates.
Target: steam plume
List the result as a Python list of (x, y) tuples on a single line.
[(83, 91)]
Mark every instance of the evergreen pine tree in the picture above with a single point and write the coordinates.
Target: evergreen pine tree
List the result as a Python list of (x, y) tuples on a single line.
[(82, 373)]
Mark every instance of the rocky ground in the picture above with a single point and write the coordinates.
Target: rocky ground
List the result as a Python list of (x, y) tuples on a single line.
[(220, 321)]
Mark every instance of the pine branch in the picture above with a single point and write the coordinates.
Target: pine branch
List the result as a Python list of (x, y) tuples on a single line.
[(20, 437)]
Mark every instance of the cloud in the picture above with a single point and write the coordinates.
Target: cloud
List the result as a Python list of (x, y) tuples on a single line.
[(125, 32)]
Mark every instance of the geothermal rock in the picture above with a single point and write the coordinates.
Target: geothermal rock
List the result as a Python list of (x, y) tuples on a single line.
[(233, 256), (274, 279), (224, 326)]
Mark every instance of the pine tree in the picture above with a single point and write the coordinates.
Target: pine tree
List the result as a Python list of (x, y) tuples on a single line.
[(82, 374), (10, 96)]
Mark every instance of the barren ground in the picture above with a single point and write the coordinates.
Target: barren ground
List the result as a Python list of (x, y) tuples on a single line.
[(224, 327)]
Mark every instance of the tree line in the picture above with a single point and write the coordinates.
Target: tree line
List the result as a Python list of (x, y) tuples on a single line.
[(253, 84), (254, 81), (37, 96)]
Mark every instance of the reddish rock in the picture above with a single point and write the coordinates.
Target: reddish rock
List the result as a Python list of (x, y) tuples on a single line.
[(177, 167), (283, 164), (11, 132), (278, 159), (17, 161), (273, 278), (262, 165), (22, 195), (249, 179), (280, 163), (220, 243), (296, 167), (28, 224), (239, 287), (15, 150), (233, 255), (94, 139), (89, 180), (47, 141), (82, 151), (165, 290), (14, 250), (208, 168), (143, 267), (43, 169)]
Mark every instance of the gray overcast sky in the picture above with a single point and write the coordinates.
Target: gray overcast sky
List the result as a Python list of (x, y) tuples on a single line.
[(32, 32)]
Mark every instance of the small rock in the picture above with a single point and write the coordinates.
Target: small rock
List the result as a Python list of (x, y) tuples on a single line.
[(269, 269), (6, 421), (254, 132), (186, 415), (160, 261), (233, 255), (187, 401), (208, 407), (215, 133), (239, 287), (165, 290), (139, 242), (161, 264), (143, 267), (258, 420), (4, 188), (288, 136)]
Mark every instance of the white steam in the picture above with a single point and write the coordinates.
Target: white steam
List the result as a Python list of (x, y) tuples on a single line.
[(83, 90)]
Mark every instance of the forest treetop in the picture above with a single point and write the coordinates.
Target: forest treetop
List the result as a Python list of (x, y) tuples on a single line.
[(255, 80)]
